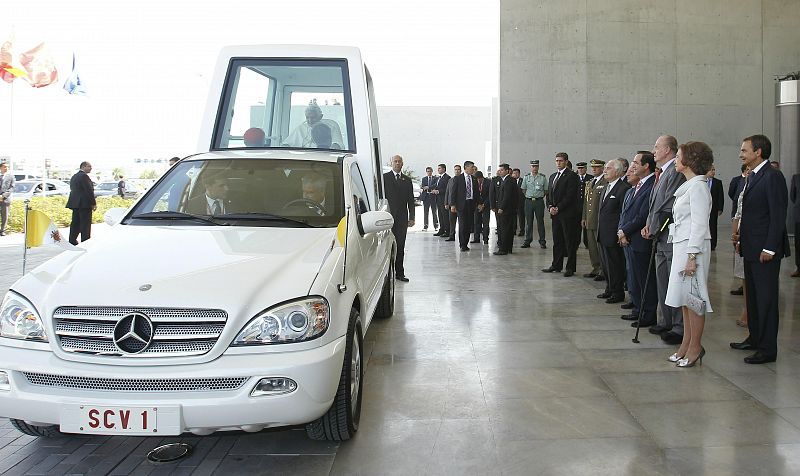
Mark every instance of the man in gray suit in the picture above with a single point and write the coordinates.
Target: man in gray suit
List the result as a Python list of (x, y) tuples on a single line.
[(670, 321), (6, 187)]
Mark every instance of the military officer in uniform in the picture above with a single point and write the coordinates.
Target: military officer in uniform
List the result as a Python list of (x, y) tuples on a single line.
[(534, 186), (589, 216), (582, 194)]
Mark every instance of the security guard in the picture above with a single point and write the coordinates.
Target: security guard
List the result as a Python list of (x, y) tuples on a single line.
[(591, 205), (535, 186)]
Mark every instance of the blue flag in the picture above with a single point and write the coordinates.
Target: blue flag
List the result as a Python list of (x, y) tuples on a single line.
[(73, 84)]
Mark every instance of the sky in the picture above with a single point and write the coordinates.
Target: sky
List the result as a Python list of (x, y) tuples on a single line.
[(147, 64)]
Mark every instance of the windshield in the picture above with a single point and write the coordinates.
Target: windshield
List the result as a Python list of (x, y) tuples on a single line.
[(299, 104), (106, 186), (246, 192), (22, 187)]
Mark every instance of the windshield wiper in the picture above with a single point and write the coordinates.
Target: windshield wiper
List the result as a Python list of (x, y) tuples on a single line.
[(262, 216), (168, 215)]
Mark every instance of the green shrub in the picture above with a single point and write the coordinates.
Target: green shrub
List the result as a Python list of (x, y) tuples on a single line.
[(55, 208)]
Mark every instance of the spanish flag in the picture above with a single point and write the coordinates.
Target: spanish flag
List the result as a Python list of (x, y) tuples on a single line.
[(40, 230)]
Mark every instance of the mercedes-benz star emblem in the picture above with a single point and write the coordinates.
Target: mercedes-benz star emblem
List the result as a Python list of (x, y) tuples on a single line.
[(133, 333)]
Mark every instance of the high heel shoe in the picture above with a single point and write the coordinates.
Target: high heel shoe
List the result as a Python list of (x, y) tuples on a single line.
[(675, 357), (684, 362)]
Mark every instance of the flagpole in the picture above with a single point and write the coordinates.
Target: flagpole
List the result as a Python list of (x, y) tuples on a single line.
[(25, 238)]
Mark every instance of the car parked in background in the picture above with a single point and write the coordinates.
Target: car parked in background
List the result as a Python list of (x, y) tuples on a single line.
[(27, 189), (109, 189)]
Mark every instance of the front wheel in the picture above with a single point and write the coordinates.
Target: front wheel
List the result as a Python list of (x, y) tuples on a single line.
[(385, 307), (49, 431), (340, 422)]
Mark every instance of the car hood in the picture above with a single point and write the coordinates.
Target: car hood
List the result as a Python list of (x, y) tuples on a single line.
[(178, 266)]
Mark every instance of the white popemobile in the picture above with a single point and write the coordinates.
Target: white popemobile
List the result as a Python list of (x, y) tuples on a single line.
[(253, 271)]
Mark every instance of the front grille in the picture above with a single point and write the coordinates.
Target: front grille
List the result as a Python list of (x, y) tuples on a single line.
[(176, 332), (136, 385)]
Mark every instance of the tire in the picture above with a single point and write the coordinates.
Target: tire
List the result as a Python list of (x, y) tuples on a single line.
[(48, 431), (340, 422), (385, 307)]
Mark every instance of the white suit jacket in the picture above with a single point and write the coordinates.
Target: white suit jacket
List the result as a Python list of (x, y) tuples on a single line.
[(691, 211)]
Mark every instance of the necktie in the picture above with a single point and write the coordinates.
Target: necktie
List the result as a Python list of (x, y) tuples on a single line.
[(217, 209), (468, 178), (710, 183), (658, 174), (638, 186), (397, 176), (558, 176)]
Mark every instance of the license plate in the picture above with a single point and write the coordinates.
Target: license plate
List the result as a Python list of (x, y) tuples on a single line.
[(120, 420)]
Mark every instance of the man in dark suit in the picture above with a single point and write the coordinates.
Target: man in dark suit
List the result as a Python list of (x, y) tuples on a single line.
[(464, 203), (81, 201), (795, 195), (607, 226), (763, 242), (448, 204), (400, 194), (213, 198), (439, 190), (717, 204), (507, 197), (494, 192), (584, 179), (427, 184), (482, 209), (638, 249), (562, 202)]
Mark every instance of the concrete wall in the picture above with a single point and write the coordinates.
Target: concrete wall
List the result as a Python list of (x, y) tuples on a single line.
[(431, 135), (603, 78)]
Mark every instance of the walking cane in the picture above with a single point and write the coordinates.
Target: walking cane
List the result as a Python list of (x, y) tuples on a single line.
[(635, 339)]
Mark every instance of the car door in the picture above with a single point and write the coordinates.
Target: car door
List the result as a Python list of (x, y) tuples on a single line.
[(371, 265)]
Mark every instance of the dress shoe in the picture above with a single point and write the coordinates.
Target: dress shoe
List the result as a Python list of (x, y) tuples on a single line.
[(2, 233), (599, 278), (745, 345), (465, 248), (569, 273), (658, 330), (551, 270), (402, 278), (672, 338), (438, 234), (603, 295), (737, 292), (450, 239), (629, 317), (627, 305), (614, 299), (796, 273), (760, 358), (642, 324), (543, 246), (675, 358), (500, 253), (589, 275), (685, 362), (424, 228), (525, 245)]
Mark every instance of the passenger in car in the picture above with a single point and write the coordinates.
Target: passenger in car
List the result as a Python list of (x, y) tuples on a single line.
[(254, 137), (214, 201), (314, 186), (321, 134), (301, 136)]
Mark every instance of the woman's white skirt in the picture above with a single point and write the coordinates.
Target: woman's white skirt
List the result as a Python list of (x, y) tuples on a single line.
[(680, 286)]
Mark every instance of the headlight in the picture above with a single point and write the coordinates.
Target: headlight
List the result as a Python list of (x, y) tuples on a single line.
[(296, 321), (19, 319)]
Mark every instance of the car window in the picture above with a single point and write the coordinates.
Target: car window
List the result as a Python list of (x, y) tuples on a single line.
[(306, 191), (286, 103), (360, 200)]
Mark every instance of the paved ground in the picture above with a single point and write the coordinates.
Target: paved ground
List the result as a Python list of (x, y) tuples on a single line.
[(492, 367)]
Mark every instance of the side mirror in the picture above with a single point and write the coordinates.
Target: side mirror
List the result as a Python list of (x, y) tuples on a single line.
[(114, 215), (375, 221)]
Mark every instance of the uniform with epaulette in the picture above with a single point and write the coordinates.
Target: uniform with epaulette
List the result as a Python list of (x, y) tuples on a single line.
[(591, 204)]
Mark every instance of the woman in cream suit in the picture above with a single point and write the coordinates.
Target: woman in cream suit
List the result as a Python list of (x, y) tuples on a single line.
[(691, 241)]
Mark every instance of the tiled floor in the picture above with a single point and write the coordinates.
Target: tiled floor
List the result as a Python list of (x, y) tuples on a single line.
[(491, 367)]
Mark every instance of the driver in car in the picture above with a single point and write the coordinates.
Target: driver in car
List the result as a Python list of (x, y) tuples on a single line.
[(314, 186)]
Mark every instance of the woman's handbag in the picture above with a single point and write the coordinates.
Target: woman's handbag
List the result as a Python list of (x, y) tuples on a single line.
[(693, 301)]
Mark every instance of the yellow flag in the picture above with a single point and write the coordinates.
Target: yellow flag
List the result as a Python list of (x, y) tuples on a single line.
[(40, 230), (341, 230)]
